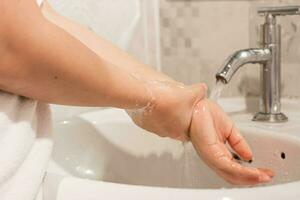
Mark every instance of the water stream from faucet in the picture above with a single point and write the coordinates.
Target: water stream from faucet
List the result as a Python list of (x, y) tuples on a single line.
[(217, 91)]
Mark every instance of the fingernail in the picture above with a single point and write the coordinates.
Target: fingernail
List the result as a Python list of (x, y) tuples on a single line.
[(264, 178)]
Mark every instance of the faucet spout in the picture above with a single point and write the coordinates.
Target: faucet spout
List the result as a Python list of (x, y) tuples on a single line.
[(269, 57), (240, 58)]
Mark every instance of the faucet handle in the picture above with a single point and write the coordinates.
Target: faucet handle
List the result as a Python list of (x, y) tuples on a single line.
[(279, 11)]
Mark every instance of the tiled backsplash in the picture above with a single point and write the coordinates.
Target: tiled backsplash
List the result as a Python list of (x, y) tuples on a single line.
[(197, 36)]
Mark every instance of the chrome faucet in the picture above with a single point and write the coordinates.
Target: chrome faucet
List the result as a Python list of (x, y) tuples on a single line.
[(269, 56)]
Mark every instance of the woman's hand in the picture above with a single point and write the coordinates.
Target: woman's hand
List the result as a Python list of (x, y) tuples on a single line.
[(211, 128), (184, 113), (170, 112)]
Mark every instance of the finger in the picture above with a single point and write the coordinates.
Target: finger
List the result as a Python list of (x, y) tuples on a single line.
[(268, 171), (217, 158), (238, 174), (226, 151), (232, 135), (239, 144), (204, 137), (232, 172), (238, 181)]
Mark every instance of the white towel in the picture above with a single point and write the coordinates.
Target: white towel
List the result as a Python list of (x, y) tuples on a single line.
[(25, 146)]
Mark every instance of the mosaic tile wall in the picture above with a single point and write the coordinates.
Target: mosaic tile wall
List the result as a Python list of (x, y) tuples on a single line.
[(198, 35)]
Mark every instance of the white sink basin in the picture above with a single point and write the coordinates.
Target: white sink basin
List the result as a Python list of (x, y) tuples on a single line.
[(105, 145)]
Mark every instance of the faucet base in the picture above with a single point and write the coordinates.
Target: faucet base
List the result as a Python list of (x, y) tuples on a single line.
[(271, 118)]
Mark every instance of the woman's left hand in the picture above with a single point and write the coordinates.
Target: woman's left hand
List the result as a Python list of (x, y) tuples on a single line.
[(211, 129)]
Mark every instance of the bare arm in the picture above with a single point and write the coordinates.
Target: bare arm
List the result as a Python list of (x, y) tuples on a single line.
[(44, 62)]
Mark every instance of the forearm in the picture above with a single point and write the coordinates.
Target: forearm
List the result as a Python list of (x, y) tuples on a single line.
[(46, 63), (104, 49)]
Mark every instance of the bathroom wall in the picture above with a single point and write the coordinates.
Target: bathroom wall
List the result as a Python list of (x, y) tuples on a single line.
[(198, 35)]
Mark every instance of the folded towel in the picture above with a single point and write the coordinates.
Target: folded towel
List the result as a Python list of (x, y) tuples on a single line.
[(25, 146)]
